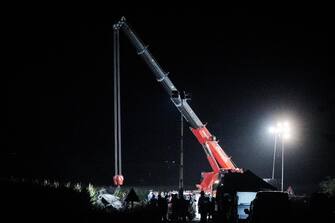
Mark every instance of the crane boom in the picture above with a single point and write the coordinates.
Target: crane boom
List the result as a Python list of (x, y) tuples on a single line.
[(217, 158)]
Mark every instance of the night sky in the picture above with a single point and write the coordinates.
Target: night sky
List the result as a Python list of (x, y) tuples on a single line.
[(245, 68)]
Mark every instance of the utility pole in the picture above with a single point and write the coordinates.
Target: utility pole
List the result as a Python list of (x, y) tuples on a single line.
[(184, 98), (181, 167)]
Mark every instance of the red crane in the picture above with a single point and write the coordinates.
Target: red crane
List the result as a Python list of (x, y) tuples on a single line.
[(219, 161)]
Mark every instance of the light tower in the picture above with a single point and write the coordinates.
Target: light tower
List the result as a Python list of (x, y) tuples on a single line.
[(281, 131)]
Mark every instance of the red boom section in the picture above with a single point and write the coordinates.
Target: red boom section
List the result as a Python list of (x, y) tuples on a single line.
[(208, 179), (206, 139), (213, 163), (217, 158)]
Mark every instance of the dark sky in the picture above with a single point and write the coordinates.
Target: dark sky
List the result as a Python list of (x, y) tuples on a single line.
[(244, 68)]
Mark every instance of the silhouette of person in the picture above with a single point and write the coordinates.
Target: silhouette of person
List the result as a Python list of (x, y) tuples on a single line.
[(203, 207), (174, 207), (182, 207), (211, 208), (162, 207)]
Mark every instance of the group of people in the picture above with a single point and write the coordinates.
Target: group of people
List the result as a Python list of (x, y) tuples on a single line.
[(206, 207), (175, 207), (178, 207)]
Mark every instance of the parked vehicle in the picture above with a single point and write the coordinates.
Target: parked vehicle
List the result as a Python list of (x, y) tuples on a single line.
[(269, 206)]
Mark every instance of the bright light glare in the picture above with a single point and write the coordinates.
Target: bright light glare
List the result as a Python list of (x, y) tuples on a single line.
[(286, 136), (272, 130), (282, 129), (217, 181)]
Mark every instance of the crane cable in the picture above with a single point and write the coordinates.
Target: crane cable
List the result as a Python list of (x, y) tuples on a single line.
[(117, 110)]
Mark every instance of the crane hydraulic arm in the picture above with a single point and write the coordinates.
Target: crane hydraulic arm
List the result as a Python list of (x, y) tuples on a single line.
[(217, 158)]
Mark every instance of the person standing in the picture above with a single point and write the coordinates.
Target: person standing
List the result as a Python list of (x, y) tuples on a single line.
[(203, 207)]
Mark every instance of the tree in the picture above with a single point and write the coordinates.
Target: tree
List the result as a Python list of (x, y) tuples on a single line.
[(328, 186), (131, 197)]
